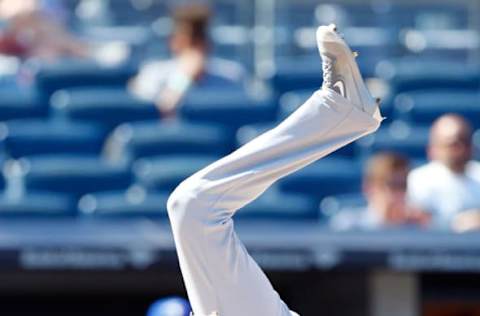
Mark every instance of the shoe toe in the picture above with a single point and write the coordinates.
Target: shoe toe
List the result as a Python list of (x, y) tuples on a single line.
[(325, 35)]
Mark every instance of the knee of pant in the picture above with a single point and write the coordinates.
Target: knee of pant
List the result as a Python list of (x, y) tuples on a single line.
[(185, 207)]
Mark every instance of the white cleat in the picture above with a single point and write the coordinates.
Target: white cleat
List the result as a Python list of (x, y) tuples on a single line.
[(340, 70)]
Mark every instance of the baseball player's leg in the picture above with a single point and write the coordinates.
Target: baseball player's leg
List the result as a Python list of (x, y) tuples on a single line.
[(219, 274)]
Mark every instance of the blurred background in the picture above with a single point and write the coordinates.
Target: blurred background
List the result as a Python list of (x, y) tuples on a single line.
[(106, 105)]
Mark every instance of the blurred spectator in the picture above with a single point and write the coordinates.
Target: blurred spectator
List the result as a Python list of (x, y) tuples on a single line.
[(31, 31), (166, 82), (450, 182), (384, 186)]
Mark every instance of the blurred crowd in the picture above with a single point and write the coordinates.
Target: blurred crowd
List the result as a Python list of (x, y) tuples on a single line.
[(36, 30), (443, 193)]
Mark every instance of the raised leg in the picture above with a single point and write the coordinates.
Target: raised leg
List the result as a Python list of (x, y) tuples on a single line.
[(219, 274)]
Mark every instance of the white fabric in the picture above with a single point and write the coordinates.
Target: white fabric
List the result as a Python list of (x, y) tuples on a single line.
[(219, 274), (434, 188), (155, 75)]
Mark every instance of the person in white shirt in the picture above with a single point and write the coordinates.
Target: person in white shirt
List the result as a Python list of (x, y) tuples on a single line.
[(384, 188), (449, 184), (166, 82)]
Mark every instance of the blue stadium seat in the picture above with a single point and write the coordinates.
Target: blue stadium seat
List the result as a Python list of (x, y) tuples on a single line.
[(230, 107), (145, 139), (295, 73), (2, 178), (409, 74), (410, 141), (328, 176), (108, 106), (37, 136), (80, 73), (426, 106), (420, 15), (74, 175), (134, 202), (273, 205), (45, 205), (20, 103), (333, 204), (249, 132), (164, 174)]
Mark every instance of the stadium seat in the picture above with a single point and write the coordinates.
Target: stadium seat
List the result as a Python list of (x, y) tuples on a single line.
[(423, 107), (134, 202), (410, 141), (20, 103), (73, 175), (44, 205), (249, 132), (230, 107), (2, 178), (273, 205), (329, 176), (38, 136), (294, 73), (146, 139), (71, 73), (331, 205), (424, 15), (107, 106), (409, 74), (164, 174)]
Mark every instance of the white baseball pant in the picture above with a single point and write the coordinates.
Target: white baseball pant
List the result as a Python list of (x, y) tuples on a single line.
[(220, 276)]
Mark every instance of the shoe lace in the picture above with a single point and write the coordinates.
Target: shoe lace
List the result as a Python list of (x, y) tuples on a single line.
[(327, 67)]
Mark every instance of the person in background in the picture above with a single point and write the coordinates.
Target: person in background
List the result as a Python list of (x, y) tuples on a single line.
[(165, 82), (30, 31), (384, 187), (449, 185)]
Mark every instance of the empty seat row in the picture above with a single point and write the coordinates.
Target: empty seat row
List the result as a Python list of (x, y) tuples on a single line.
[(132, 141), (231, 107), (107, 106), (416, 73), (71, 73), (66, 174), (39, 205), (27, 137), (20, 103), (137, 202), (76, 176), (423, 107), (33, 137)]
